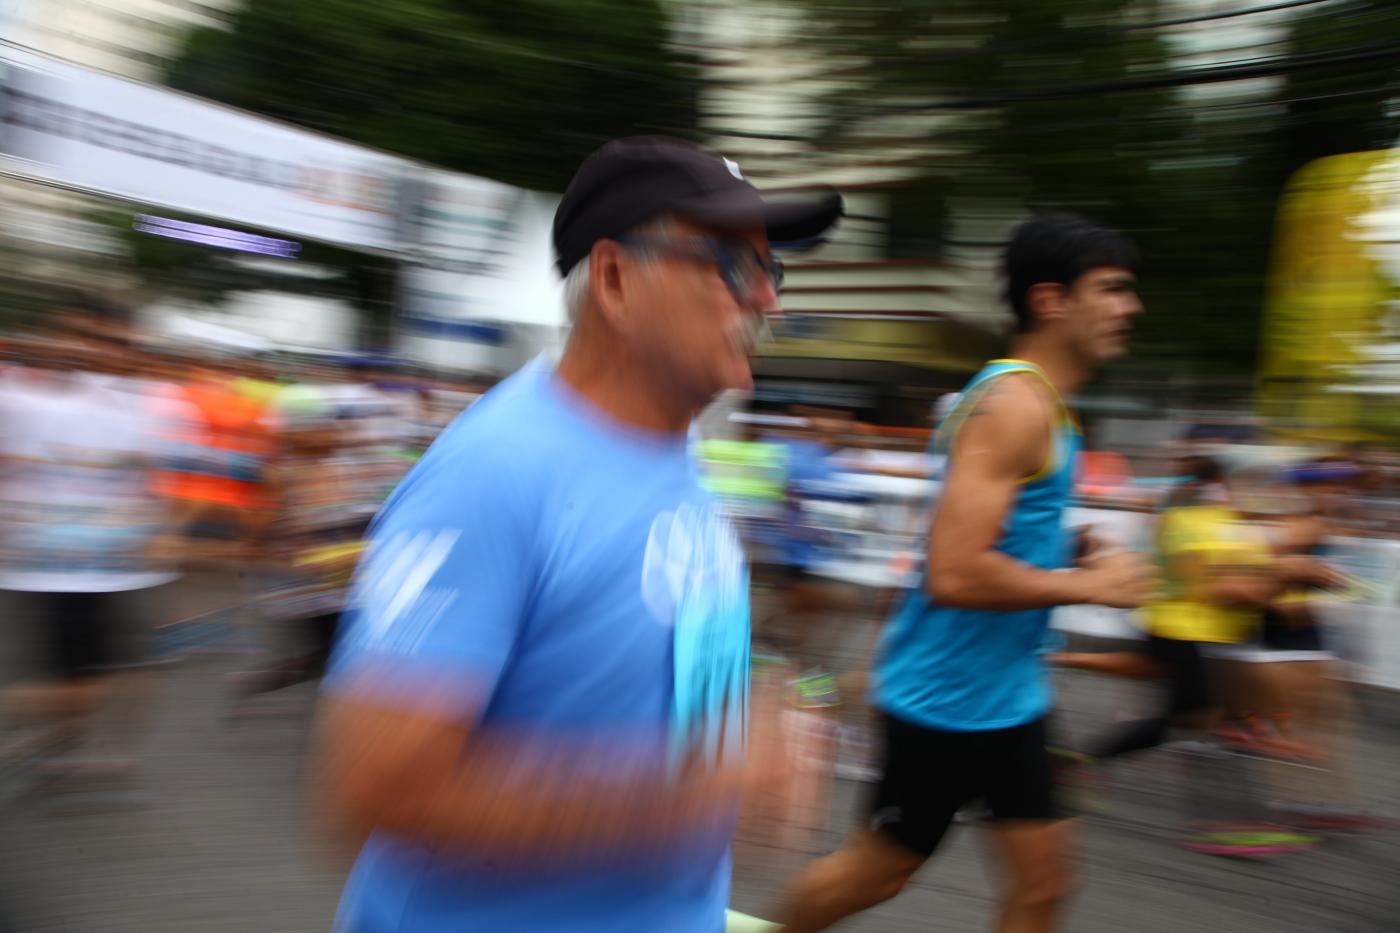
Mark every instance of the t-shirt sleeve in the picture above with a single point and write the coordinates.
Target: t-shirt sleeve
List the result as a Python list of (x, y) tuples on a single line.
[(440, 596)]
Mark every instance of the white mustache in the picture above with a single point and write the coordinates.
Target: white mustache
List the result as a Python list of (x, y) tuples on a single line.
[(751, 332)]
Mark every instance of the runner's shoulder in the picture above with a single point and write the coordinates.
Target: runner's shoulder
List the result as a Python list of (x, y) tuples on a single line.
[(494, 455), (1014, 402), (1009, 423), (497, 439)]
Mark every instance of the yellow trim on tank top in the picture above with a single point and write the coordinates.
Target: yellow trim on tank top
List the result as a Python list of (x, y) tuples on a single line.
[(1026, 366), (1066, 416)]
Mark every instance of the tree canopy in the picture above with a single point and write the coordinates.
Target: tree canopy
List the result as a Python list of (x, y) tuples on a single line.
[(1106, 107), (515, 90)]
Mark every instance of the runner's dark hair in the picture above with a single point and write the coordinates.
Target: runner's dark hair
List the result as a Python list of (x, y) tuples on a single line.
[(1059, 247)]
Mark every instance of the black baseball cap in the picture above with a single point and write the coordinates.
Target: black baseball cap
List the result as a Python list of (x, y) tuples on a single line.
[(630, 181)]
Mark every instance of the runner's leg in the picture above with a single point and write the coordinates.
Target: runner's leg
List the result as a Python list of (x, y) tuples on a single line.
[(1032, 836), (1035, 854), (1190, 700), (70, 688), (1131, 664), (868, 870), (927, 776), (132, 683)]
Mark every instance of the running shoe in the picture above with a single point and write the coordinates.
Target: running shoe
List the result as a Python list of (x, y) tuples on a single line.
[(736, 922), (1080, 780), (1249, 840), (1253, 738)]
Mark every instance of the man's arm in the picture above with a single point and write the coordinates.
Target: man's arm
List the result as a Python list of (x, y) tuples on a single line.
[(429, 777), (1005, 440), (1241, 585), (1229, 585)]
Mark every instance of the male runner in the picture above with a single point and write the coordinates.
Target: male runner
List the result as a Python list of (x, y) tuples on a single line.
[(538, 708), (960, 679)]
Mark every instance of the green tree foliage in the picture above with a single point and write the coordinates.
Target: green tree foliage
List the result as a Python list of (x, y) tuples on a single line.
[(515, 90), (1086, 105), (1350, 107)]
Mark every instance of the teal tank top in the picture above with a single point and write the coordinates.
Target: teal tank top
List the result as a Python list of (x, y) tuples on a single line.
[(976, 670)]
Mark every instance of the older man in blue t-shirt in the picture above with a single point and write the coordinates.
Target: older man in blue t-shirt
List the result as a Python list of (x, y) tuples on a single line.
[(538, 711)]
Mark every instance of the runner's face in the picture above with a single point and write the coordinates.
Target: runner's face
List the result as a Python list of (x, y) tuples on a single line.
[(1100, 307), (694, 327)]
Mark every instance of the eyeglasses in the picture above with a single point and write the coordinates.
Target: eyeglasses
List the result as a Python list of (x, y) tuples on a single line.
[(739, 263)]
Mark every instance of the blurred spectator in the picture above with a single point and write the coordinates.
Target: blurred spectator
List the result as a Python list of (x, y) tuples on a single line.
[(81, 528), (314, 539), (219, 480), (1291, 698)]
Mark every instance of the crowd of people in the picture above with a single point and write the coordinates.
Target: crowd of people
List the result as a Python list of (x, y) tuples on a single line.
[(156, 501), (1237, 636), (542, 703)]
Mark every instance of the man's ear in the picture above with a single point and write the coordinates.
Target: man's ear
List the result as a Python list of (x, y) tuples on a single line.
[(609, 278), (1045, 302)]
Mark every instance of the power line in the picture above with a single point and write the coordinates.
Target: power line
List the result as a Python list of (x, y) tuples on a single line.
[(1070, 38), (1216, 74), (1228, 14), (952, 136)]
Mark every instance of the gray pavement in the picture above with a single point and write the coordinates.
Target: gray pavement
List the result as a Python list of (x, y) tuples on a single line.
[(223, 844)]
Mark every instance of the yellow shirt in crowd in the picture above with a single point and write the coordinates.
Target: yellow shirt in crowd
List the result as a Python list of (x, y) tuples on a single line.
[(1196, 545)]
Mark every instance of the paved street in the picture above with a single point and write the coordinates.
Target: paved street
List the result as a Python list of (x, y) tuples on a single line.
[(223, 845)]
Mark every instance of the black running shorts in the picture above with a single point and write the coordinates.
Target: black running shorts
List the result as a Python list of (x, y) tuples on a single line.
[(84, 634), (931, 774), (1190, 679), (1278, 634)]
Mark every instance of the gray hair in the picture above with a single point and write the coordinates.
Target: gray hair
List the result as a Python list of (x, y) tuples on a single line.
[(576, 287), (579, 281)]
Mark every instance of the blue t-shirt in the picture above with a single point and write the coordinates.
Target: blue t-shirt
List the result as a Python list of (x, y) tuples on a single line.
[(563, 577)]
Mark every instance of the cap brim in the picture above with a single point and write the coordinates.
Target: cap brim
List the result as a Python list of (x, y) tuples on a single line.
[(788, 220)]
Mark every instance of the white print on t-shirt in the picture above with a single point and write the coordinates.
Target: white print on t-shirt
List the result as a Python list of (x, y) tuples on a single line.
[(692, 553), (693, 579), (395, 602)]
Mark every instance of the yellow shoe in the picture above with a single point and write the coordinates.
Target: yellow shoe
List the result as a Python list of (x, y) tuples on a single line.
[(736, 922)]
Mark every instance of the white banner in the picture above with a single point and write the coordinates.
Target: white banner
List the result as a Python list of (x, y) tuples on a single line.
[(460, 222), (483, 253), (482, 277), (86, 130), (1366, 630)]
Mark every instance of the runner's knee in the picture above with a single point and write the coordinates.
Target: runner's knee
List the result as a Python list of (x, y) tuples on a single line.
[(1047, 884), (876, 888), (895, 884), (864, 877)]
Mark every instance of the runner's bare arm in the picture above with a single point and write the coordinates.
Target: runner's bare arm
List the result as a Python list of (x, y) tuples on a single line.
[(1231, 585), (427, 777), (1259, 586), (1005, 441)]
